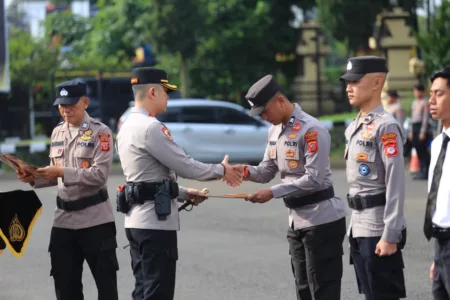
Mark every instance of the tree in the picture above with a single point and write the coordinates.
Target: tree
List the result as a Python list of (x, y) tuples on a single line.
[(175, 27), (352, 21), (435, 44)]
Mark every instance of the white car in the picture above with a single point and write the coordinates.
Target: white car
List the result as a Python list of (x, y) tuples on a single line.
[(209, 129)]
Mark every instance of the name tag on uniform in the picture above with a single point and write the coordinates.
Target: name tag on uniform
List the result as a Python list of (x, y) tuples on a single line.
[(273, 152)]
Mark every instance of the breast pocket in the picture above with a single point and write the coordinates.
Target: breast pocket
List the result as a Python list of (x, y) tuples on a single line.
[(57, 156), (367, 167), (83, 157)]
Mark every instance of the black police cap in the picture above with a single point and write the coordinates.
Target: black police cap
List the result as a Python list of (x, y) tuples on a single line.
[(149, 75), (359, 66), (260, 93), (70, 92)]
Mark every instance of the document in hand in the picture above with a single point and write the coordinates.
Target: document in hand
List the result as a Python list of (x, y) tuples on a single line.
[(17, 163)]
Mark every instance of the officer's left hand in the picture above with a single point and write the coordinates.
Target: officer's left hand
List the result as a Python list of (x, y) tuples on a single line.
[(196, 196), (385, 249), (261, 196), (50, 172)]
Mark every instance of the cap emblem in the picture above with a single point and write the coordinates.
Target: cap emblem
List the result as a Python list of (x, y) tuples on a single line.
[(349, 65), (63, 93)]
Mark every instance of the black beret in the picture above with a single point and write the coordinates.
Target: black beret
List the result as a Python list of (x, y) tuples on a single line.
[(70, 92), (149, 75), (359, 66), (260, 93)]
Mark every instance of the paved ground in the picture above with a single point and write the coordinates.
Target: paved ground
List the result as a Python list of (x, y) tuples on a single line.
[(229, 250)]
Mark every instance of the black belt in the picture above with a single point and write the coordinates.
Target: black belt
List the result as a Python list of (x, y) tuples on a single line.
[(294, 202), (441, 233), (362, 202), (145, 191), (82, 203)]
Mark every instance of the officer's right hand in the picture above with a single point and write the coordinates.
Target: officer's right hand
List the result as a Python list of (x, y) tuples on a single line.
[(410, 136), (24, 176), (432, 271), (231, 176)]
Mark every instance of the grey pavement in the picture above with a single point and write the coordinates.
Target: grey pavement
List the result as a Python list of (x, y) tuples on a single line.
[(229, 249)]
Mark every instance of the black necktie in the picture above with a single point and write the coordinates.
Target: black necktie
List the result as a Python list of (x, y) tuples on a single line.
[(432, 195)]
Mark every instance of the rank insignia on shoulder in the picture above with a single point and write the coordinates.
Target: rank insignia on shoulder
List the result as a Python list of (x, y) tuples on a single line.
[(167, 133)]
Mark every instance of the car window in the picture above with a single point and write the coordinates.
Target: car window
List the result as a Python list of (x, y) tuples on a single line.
[(233, 116), (199, 114), (171, 115)]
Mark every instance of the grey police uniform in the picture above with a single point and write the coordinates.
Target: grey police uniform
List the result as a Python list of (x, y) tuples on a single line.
[(83, 227), (149, 155), (375, 173), (300, 152)]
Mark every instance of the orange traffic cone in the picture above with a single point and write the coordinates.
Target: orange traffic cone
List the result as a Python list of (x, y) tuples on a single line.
[(414, 164)]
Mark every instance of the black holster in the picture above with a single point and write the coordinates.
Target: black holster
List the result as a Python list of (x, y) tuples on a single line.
[(136, 193), (121, 200), (163, 200)]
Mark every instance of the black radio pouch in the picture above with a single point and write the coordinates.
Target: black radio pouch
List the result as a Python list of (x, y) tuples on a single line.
[(163, 200), (121, 200)]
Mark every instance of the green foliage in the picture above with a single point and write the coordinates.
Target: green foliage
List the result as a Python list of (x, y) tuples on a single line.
[(352, 21), (30, 60), (435, 44)]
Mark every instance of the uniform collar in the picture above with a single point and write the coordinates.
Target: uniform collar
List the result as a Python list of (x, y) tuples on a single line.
[(296, 114), (140, 110), (83, 126), (447, 132), (379, 110)]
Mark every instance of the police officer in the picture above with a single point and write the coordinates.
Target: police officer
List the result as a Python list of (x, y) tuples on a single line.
[(298, 147), (81, 155), (394, 107), (375, 173), (149, 157), (420, 133)]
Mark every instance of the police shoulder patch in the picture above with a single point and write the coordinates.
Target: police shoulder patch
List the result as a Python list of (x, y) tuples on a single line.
[(166, 131), (389, 140), (311, 141)]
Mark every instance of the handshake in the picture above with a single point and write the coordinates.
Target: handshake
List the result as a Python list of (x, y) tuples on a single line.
[(233, 175)]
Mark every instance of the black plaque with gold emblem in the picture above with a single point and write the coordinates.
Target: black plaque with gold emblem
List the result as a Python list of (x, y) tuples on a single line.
[(19, 210)]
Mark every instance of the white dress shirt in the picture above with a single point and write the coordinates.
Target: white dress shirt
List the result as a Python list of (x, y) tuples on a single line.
[(441, 216)]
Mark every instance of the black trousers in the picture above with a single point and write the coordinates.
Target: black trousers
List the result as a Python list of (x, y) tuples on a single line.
[(68, 250), (441, 280), (316, 260), (154, 254), (421, 148), (378, 277)]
